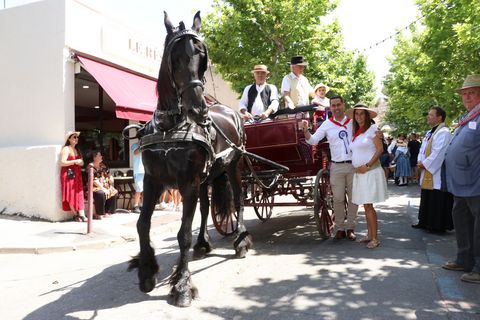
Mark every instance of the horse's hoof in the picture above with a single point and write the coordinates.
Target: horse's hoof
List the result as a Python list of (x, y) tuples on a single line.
[(242, 244), (241, 252), (200, 252), (183, 299), (148, 284)]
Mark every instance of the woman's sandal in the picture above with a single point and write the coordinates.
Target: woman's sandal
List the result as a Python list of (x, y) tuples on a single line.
[(79, 218), (364, 240), (373, 244)]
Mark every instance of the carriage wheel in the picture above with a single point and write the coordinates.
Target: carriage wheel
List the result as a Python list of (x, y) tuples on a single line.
[(300, 192), (225, 225), (265, 199), (322, 209)]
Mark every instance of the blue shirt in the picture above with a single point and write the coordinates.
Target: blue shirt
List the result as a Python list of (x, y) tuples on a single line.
[(137, 160), (462, 160)]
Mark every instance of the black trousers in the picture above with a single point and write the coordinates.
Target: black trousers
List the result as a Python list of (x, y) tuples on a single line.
[(435, 212), (102, 204)]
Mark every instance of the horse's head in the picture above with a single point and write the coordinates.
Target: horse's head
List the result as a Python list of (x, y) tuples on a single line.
[(184, 63)]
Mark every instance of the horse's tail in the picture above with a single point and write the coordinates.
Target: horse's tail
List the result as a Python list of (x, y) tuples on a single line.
[(222, 196)]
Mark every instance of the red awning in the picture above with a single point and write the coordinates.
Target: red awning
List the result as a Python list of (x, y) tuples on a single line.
[(135, 96)]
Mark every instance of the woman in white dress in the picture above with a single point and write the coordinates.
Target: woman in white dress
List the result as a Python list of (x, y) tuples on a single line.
[(369, 185)]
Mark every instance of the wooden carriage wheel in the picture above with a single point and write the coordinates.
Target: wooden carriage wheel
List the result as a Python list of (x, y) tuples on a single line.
[(226, 225), (265, 200), (323, 200)]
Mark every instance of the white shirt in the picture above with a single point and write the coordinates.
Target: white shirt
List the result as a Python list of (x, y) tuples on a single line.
[(339, 138), (321, 102), (257, 107), (433, 163), (303, 85), (363, 147)]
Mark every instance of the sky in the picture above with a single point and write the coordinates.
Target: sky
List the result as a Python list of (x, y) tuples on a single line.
[(364, 22)]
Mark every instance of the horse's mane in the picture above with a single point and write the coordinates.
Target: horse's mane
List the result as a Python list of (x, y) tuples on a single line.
[(165, 91)]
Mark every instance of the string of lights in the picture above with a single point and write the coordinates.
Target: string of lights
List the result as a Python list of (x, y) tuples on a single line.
[(402, 29)]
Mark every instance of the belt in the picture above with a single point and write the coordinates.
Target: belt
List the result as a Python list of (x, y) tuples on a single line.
[(347, 161)]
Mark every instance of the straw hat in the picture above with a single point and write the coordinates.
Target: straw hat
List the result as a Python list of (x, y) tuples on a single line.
[(361, 106), (69, 133), (401, 143), (260, 68), (471, 81), (298, 60), (321, 85)]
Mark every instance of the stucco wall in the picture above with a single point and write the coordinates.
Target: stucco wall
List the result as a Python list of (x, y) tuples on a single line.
[(35, 75)]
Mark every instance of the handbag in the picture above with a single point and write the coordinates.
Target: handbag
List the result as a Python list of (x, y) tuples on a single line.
[(70, 173)]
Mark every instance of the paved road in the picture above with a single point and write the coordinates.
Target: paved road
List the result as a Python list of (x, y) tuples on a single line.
[(290, 274)]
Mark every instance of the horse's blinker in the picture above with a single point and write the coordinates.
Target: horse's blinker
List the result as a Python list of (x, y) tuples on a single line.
[(189, 49)]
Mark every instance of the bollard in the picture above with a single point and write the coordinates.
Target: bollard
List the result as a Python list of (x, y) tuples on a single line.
[(90, 199)]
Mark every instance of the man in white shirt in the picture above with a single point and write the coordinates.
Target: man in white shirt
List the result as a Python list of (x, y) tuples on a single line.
[(338, 130), (259, 99), (435, 211), (296, 89)]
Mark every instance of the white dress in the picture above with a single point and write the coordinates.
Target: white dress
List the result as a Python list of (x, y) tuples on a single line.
[(369, 187)]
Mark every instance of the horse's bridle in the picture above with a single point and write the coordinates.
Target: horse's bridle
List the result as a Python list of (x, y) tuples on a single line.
[(189, 48)]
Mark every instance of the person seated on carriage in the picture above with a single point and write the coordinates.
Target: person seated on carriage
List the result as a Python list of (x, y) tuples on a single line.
[(296, 88), (259, 99), (321, 102)]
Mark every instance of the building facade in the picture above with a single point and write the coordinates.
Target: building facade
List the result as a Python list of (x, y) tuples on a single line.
[(65, 66)]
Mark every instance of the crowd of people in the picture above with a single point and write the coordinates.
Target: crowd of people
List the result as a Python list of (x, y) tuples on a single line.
[(104, 193), (362, 160)]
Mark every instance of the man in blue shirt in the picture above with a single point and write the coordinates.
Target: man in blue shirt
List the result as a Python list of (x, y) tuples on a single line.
[(462, 160), (138, 174)]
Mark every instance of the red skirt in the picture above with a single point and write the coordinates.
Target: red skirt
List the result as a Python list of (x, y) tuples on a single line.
[(72, 189)]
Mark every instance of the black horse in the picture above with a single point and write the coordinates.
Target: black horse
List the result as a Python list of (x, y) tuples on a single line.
[(188, 146)]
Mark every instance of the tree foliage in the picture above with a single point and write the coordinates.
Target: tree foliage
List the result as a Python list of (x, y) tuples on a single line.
[(428, 65), (242, 33)]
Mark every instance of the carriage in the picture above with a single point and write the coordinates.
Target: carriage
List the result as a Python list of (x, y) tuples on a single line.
[(180, 149), (278, 163)]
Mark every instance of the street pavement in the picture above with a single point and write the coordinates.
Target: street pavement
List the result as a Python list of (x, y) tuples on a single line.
[(56, 271)]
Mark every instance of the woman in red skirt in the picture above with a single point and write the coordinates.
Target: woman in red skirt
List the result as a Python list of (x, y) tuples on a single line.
[(71, 177)]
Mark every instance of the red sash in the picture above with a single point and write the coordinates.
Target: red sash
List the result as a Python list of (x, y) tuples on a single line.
[(344, 125), (359, 132)]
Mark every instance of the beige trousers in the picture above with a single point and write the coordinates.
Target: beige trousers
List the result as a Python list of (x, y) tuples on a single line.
[(341, 179)]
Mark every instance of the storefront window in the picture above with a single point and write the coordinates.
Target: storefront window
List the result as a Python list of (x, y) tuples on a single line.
[(100, 129), (114, 148)]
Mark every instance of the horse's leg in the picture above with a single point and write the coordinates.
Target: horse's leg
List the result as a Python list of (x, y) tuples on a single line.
[(243, 240), (145, 260), (203, 245), (183, 290)]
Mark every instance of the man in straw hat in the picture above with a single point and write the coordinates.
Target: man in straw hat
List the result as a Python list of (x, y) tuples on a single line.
[(462, 160), (435, 212), (296, 89), (259, 99), (338, 131)]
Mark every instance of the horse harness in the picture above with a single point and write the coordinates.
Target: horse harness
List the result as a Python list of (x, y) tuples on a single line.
[(153, 137), (190, 50)]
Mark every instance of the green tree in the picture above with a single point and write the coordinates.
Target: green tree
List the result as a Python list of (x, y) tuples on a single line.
[(429, 64), (242, 33)]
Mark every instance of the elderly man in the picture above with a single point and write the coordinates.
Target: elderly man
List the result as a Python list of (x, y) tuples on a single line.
[(462, 160), (259, 99), (296, 89), (435, 213), (338, 130)]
